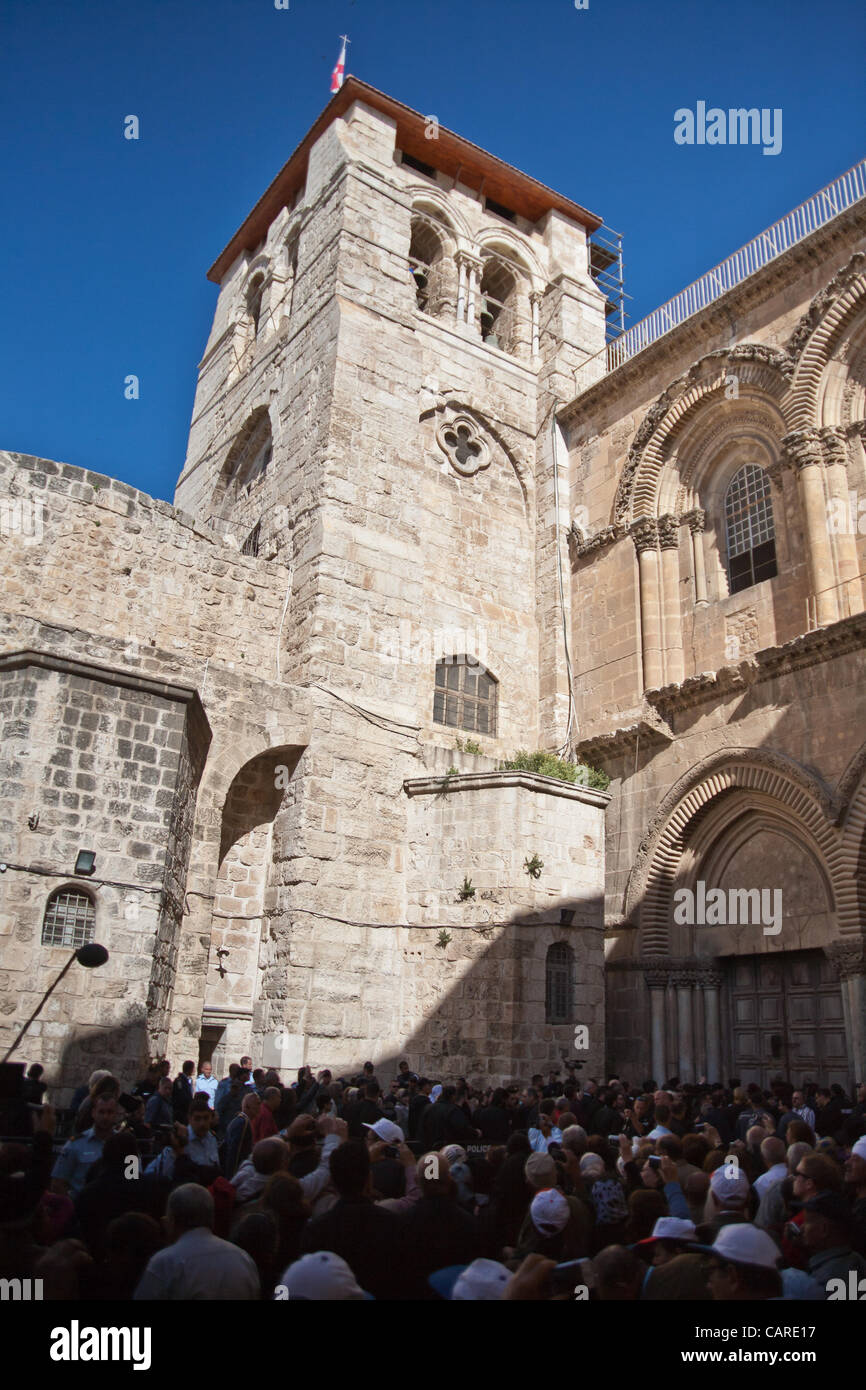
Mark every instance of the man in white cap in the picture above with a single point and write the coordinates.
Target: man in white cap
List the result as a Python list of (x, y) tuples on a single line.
[(322, 1277), (743, 1264), (728, 1199), (671, 1236), (483, 1281), (545, 1233)]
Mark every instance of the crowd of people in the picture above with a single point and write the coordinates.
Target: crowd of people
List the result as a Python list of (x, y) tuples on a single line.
[(344, 1188)]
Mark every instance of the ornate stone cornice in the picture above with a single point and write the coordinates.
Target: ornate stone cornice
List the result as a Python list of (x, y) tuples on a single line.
[(645, 533), (580, 546), (669, 532), (661, 971), (810, 649), (848, 957), (606, 747)]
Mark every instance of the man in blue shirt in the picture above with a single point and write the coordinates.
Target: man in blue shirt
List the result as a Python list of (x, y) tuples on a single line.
[(207, 1082), (77, 1156), (195, 1141)]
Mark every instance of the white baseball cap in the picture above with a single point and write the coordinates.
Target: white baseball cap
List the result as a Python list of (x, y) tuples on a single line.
[(741, 1243), (549, 1211), (671, 1228), (481, 1282), (733, 1188), (323, 1277), (387, 1130), (859, 1149)]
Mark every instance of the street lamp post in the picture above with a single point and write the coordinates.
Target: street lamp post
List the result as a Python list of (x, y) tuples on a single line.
[(90, 956)]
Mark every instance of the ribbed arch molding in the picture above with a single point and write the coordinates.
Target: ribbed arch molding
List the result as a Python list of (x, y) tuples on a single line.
[(802, 799)]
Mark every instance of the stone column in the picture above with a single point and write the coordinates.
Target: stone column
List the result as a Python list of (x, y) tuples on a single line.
[(848, 956), (535, 297), (644, 533), (805, 450), (683, 983), (669, 541), (461, 289), (697, 520), (835, 447), (657, 984), (711, 983), (473, 271)]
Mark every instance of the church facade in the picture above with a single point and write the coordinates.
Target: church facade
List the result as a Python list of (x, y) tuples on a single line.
[(420, 526)]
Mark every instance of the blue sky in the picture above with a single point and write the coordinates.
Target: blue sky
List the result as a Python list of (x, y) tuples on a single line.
[(106, 242)]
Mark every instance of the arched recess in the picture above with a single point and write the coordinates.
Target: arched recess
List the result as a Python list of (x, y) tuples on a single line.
[(431, 264), (246, 462), (514, 252), (700, 458), (505, 316), (239, 919), (764, 780), (744, 841), (759, 376)]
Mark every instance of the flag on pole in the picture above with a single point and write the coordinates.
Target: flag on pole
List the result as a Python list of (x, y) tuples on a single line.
[(339, 71)]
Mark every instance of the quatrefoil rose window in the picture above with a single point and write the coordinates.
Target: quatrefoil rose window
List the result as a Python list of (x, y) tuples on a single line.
[(463, 446)]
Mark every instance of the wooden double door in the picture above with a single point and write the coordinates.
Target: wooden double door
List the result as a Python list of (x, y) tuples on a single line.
[(785, 1018)]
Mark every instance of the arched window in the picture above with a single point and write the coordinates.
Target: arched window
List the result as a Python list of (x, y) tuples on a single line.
[(498, 305), (749, 529), (559, 984), (254, 303), (465, 696), (426, 254), (291, 272), (69, 919)]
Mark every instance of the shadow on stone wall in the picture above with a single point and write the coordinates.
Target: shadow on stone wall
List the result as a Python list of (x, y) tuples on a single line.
[(121, 1048)]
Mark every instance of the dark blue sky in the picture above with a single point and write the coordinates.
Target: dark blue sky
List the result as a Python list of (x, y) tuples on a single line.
[(106, 242)]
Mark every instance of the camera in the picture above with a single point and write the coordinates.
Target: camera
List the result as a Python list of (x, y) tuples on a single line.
[(654, 1161)]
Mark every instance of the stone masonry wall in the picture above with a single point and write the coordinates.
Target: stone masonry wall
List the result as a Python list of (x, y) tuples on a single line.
[(106, 767)]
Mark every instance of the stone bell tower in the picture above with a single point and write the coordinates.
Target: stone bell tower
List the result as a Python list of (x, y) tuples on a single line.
[(398, 318)]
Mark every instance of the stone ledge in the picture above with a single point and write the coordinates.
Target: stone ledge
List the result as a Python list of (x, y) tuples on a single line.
[(809, 649), (482, 781), (599, 747)]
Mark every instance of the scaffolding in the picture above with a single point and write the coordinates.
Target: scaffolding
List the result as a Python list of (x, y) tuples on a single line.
[(605, 267)]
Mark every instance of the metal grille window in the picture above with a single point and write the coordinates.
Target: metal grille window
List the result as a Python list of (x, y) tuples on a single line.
[(465, 696), (749, 529), (559, 984), (69, 919), (251, 544)]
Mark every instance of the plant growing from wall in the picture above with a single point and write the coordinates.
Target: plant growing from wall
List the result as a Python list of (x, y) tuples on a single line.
[(468, 745), (453, 772), (467, 891), (563, 769), (443, 939), (533, 866)]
